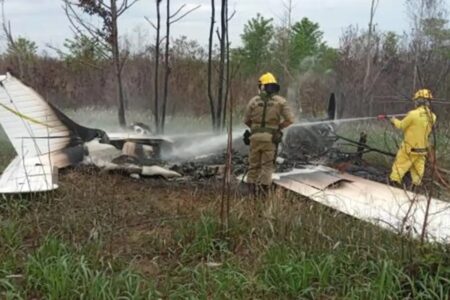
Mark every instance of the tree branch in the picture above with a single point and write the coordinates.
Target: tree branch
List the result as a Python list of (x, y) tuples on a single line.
[(185, 14), (125, 6), (87, 27), (177, 11), (151, 23), (231, 16), (218, 34)]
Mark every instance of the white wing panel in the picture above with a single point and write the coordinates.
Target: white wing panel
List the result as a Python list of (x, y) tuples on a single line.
[(25, 175), (29, 122), (379, 204)]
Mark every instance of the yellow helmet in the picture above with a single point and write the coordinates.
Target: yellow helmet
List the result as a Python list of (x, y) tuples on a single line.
[(267, 78), (423, 94)]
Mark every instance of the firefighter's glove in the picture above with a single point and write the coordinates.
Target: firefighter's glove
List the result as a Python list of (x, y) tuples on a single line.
[(392, 120), (277, 137), (246, 137)]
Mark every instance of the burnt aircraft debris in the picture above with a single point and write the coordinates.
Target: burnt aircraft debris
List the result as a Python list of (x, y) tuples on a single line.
[(46, 140)]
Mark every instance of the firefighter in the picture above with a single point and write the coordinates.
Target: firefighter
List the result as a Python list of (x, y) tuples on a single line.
[(416, 127), (266, 115)]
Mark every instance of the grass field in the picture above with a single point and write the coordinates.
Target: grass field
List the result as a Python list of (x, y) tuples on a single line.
[(106, 236), (103, 236)]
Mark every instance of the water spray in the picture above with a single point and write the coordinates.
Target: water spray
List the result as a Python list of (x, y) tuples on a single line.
[(204, 143), (347, 120)]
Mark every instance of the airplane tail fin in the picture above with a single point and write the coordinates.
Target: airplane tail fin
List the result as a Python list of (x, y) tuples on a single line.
[(34, 126), (331, 111), (29, 122), (43, 137)]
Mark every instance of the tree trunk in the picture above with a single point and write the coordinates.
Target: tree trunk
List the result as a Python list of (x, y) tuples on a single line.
[(227, 70), (210, 49), (157, 44), (368, 53), (117, 66), (222, 77), (167, 68)]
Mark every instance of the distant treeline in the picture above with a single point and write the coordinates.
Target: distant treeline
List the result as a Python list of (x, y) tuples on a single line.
[(369, 68)]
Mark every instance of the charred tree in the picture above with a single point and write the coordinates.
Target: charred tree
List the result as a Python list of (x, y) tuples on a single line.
[(170, 19), (222, 65), (218, 101), (157, 53), (161, 110), (166, 68), (369, 58), (114, 42), (228, 70), (107, 35), (210, 73)]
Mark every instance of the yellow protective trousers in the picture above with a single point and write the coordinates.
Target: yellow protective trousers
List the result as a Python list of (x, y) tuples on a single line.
[(261, 162), (408, 161)]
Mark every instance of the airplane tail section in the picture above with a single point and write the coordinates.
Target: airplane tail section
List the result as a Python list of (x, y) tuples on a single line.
[(28, 120), (331, 111), (43, 137), (25, 175)]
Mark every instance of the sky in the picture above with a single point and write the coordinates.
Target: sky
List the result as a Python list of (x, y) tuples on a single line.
[(44, 21)]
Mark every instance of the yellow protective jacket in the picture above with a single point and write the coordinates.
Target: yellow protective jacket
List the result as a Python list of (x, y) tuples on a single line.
[(416, 126)]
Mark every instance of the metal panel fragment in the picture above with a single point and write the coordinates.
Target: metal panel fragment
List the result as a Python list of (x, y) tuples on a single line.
[(377, 203)]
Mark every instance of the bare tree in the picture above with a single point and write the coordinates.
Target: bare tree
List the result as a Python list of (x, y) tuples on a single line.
[(428, 30), (217, 107), (6, 26), (21, 50), (160, 112), (166, 67), (170, 19), (157, 51), (107, 35), (369, 47), (287, 31), (210, 73), (222, 63)]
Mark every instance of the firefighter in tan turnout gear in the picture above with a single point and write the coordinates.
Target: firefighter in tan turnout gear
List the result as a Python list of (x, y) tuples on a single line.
[(266, 115)]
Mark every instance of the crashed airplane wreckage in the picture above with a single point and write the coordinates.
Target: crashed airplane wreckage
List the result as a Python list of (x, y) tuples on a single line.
[(46, 140)]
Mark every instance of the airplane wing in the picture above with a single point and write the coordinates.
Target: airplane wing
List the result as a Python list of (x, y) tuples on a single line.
[(373, 202), (25, 175)]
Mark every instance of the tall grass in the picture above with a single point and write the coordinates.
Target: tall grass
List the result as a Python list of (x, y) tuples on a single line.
[(56, 271), (255, 258)]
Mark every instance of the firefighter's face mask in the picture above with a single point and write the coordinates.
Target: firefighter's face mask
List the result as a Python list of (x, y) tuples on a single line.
[(421, 102)]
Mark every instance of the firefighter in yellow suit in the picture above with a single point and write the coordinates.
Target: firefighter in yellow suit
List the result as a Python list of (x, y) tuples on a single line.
[(266, 115), (416, 127)]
